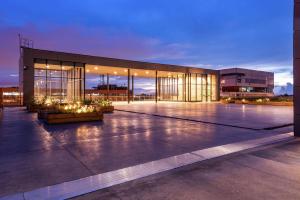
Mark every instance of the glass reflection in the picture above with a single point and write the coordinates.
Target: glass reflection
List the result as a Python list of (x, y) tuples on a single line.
[(61, 81), (188, 87)]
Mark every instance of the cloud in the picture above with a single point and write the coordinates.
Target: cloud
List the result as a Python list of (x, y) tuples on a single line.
[(212, 34)]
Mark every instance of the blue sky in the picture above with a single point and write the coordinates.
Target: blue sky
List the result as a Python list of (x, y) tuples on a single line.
[(213, 34)]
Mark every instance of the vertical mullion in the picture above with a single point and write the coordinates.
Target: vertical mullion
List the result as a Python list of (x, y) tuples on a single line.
[(202, 77), (196, 88), (83, 81), (155, 86), (107, 86), (61, 80), (206, 87), (46, 78), (128, 85), (74, 73), (177, 87), (132, 87)]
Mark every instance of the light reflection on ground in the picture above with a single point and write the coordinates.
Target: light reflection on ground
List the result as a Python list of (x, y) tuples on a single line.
[(30, 149)]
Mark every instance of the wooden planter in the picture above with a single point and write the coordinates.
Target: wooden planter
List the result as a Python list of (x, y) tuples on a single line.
[(60, 118), (33, 108), (107, 109), (42, 114)]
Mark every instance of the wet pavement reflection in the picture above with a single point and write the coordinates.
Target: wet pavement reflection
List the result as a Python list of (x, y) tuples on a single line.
[(31, 150), (249, 116)]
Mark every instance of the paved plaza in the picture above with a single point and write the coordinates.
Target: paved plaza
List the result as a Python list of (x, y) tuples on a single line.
[(34, 155), (247, 116), (271, 173)]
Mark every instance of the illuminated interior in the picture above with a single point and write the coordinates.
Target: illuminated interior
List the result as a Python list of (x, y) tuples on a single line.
[(65, 82), (61, 81)]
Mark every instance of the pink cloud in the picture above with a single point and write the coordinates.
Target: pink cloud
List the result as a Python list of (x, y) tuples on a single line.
[(70, 39)]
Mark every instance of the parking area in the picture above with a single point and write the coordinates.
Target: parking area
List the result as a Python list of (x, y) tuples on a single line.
[(34, 155)]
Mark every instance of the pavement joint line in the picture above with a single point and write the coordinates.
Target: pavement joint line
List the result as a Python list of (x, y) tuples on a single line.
[(207, 122), (108, 179), (73, 156)]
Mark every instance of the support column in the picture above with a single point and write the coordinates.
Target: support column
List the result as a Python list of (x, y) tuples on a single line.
[(61, 81), (177, 87), (46, 78), (132, 88), (1, 98), (128, 85), (83, 81), (74, 84), (184, 87), (297, 68), (206, 88), (107, 86), (156, 86)]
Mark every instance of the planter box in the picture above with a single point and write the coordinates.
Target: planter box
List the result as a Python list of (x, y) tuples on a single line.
[(31, 108), (42, 114), (226, 102), (107, 109), (55, 118)]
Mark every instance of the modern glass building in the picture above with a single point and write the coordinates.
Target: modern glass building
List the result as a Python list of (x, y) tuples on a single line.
[(62, 77), (238, 82)]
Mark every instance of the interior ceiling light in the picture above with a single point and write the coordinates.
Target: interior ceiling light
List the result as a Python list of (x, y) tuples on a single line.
[(115, 72), (87, 70), (95, 68), (47, 66), (135, 74), (147, 72)]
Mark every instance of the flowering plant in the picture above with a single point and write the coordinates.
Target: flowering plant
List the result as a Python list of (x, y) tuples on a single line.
[(78, 108), (103, 102)]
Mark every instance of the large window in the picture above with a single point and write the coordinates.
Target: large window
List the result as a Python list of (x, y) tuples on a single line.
[(188, 87), (60, 81)]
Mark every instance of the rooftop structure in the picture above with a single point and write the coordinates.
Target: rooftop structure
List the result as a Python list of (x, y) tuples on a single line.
[(10, 96)]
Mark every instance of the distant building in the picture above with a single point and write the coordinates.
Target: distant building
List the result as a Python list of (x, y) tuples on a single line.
[(112, 92), (10, 96), (238, 82)]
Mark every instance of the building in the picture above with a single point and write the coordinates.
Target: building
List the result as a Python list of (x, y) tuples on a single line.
[(296, 67), (61, 76), (10, 96), (238, 82), (111, 91)]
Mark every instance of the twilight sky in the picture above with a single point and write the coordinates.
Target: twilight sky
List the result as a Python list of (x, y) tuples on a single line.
[(213, 34)]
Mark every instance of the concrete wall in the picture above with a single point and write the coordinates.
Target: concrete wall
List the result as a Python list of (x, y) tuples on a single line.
[(297, 68), (27, 73)]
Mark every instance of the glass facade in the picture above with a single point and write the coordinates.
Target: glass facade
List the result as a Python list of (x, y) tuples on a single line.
[(60, 81), (188, 87), (65, 82)]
